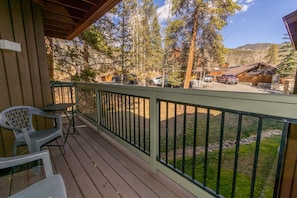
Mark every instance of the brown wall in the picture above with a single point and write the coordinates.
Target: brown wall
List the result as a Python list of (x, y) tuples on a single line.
[(255, 79), (24, 76)]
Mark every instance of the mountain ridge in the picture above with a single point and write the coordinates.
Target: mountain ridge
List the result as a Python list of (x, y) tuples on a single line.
[(257, 46)]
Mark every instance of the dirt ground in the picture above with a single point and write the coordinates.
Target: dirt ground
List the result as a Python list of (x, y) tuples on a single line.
[(235, 88)]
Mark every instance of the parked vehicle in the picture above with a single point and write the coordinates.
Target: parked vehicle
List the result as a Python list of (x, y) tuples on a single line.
[(127, 79), (227, 79), (207, 78), (157, 81)]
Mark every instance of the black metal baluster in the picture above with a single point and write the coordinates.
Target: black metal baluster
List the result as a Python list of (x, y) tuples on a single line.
[(206, 147), (119, 99), (144, 127), (220, 152), (138, 105), (134, 121), (130, 132), (159, 155), (174, 135), (126, 117), (194, 143), (236, 155), (166, 135), (149, 128), (113, 113), (281, 156), (256, 157), (184, 139), (108, 111)]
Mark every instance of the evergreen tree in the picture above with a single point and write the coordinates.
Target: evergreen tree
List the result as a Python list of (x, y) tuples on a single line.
[(156, 44), (204, 19), (151, 37), (272, 55), (124, 36), (288, 60)]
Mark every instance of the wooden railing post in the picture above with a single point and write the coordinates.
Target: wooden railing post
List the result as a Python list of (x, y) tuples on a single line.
[(154, 129)]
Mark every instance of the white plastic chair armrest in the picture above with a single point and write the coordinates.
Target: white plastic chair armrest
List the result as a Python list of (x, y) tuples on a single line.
[(7, 162)]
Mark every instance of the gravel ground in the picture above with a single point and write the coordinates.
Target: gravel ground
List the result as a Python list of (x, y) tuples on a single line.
[(235, 88)]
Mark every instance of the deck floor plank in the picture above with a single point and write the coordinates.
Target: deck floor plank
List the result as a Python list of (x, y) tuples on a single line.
[(96, 166), (5, 183), (104, 165), (117, 166), (92, 169), (19, 180), (137, 169), (62, 167), (85, 184)]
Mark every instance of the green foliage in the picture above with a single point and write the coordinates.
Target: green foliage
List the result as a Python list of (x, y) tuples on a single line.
[(272, 54), (265, 170), (203, 20), (288, 61), (248, 128), (172, 33), (174, 78), (129, 38), (94, 38)]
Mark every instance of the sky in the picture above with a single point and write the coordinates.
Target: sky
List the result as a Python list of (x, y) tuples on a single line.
[(259, 21)]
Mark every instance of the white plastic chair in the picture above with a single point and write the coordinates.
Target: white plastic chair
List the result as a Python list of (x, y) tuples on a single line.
[(52, 186), (19, 119)]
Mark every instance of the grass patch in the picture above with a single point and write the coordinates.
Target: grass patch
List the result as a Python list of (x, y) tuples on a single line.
[(249, 126), (265, 176)]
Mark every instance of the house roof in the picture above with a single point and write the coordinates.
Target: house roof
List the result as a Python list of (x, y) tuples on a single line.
[(66, 19), (236, 70), (290, 21)]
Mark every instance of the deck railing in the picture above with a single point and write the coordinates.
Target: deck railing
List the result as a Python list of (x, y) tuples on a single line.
[(213, 143)]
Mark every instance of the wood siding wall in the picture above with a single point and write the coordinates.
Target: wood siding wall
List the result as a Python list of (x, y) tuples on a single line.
[(24, 78)]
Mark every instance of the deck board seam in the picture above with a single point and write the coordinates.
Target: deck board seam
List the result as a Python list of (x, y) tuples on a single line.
[(145, 171)]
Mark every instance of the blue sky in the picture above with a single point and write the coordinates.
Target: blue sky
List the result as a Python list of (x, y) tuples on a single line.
[(259, 21)]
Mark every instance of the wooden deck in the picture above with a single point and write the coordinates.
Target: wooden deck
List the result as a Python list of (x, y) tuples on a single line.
[(93, 167)]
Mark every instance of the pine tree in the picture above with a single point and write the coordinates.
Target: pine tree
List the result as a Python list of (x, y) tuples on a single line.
[(156, 43), (288, 61), (151, 37), (124, 36), (272, 55), (204, 19)]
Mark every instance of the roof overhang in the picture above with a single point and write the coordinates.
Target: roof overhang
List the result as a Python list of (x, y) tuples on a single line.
[(291, 24), (66, 19)]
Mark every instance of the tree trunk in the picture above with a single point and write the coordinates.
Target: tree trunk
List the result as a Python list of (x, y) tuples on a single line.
[(192, 51), (86, 56), (50, 56)]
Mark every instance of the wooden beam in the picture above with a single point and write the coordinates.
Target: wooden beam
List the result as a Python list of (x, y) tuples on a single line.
[(58, 24), (100, 11), (56, 29), (60, 18), (40, 2), (78, 5), (54, 34), (61, 10), (92, 2)]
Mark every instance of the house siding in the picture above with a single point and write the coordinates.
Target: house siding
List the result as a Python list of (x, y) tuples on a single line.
[(24, 78)]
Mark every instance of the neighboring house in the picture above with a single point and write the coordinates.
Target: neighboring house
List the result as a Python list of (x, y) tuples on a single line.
[(255, 73)]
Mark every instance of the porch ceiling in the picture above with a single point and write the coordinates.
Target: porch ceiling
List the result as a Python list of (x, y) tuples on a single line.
[(66, 19), (291, 24)]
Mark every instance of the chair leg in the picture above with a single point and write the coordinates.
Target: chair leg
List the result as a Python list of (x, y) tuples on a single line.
[(63, 143), (15, 148), (36, 169)]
